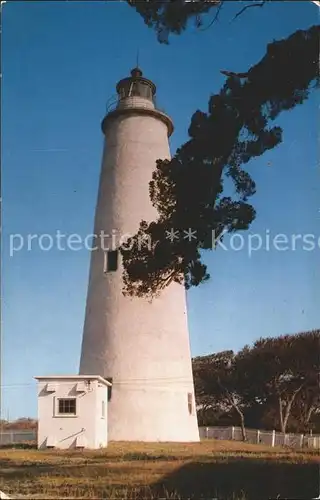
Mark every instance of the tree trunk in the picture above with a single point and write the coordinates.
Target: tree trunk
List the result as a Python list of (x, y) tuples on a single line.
[(309, 413), (243, 429), (284, 415), (307, 416), (282, 428)]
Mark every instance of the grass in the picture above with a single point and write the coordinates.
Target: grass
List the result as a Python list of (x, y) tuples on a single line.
[(223, 469)]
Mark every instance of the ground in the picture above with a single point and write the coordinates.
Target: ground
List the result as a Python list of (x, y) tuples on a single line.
[(229, 470)]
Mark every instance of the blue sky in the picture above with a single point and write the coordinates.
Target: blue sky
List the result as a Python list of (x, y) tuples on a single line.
[(60, 64)]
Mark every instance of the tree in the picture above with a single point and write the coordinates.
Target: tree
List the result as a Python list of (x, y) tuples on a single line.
[(187, 191), (307, 402), (273, 384), (306, 405), (278, 369), (218, 385)]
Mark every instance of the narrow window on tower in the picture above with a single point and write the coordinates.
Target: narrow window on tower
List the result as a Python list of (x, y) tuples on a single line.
[(109, 379), (190, 405), (110, 261)]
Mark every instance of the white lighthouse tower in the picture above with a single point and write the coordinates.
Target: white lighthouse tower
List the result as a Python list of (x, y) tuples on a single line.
[(142, 347)]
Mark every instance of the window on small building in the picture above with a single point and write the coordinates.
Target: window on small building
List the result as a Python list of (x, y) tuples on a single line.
[(190, 403), (67, 406), (103, 409), (110, 261)]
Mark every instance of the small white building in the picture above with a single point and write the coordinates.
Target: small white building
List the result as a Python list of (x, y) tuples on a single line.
[(72, 411)]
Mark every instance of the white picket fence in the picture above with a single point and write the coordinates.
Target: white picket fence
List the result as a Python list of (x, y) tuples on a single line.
[(256, 436)]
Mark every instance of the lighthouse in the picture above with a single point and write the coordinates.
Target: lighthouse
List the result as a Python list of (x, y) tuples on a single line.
[(141, 347)]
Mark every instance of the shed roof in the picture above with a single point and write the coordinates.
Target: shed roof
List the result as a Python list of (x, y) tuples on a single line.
[(74, 377)]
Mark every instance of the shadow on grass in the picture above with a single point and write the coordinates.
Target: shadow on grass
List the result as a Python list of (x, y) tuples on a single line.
[(242, 478), (228, 478)]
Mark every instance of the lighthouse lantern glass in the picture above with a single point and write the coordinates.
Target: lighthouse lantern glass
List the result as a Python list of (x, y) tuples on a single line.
[(135, 88)]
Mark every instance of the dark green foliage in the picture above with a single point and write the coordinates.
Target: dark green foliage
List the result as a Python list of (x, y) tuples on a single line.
[(219, 385), (188, 190), (171, 16)]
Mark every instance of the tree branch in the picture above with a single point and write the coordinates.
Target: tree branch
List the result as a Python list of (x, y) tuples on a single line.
[(230, 397), (231, 73), (215, 17), (167, 280), (248, 7)]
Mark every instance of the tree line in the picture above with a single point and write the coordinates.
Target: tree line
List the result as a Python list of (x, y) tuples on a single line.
[(21, 424), (273, 384)]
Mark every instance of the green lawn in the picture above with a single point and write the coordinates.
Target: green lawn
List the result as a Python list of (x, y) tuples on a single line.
[(228, 470)]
